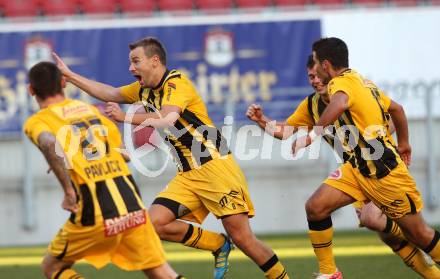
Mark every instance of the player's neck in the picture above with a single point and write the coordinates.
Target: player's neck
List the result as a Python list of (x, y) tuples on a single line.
[(160, 74), (50, 101), (339, 71)]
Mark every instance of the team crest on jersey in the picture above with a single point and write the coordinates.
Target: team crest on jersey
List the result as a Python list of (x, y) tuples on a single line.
[(36, 50), (171, 86), (337, 174), (219, 48)]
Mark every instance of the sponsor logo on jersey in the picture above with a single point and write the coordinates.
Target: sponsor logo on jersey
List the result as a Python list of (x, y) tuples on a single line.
[(119, 224)]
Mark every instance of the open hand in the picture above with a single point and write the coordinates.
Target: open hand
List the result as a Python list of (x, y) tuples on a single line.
[(70, 203), (405, 153), (65, 70)]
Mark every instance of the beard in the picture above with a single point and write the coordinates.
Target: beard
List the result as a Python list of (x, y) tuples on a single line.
[(325, 77)]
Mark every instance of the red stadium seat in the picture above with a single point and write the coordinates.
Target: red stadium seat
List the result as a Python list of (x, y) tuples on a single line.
[(329, 2), (60, 7), (402, 3), (368, 2), (136, 6), (98, 6), (17, 8), (175, 5), (213, 4), (290, 2), (252, 3)]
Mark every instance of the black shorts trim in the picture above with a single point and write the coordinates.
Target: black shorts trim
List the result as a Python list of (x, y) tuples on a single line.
[(170, 204), (412, 205)]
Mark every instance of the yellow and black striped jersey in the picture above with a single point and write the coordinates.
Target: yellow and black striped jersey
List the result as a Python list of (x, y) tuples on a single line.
[(367, 119), (307, 114), (194, 139), (90, 142), (311, 108)]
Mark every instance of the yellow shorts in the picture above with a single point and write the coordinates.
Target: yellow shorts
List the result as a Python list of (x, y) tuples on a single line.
[(395, 194), (218, 186), (137, 248)]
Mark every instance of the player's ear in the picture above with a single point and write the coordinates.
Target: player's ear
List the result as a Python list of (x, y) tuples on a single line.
[(63, 82), (156, 60), (31, 90), (325, 65)]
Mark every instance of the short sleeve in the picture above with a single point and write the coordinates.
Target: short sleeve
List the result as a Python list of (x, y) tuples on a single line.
[(178, 92), (33, 128), (386, 101), (114, 135), (130, 92), (300, 117), (341, 84)]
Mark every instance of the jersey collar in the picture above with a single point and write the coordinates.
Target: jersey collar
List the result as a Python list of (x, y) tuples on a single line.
[(167, 72)]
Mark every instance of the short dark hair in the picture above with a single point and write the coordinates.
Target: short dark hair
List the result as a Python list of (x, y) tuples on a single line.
[(310, 62), (332, 49), (152, 46), (45, 79)]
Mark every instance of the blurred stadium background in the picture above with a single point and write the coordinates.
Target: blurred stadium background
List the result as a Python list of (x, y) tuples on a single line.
[(236, 52)]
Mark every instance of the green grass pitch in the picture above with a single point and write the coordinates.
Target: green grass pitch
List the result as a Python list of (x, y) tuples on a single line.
[(358, 254)]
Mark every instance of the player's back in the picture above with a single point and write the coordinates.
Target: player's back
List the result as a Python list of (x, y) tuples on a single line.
[(98, 171)]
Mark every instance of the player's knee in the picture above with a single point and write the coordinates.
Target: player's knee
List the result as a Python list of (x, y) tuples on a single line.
[(241, 235), (371, 217), (48, 267), (159, 227), (315, 211), (242, 240), (370, 221), (47, 271)]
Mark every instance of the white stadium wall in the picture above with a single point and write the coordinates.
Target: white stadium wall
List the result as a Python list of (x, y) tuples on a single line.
[(397, 49), (392, 47)]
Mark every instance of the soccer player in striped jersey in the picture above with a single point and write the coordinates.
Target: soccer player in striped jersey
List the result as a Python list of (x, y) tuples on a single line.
[(209, 179), (370, 216), (108, 221), (376, 166)]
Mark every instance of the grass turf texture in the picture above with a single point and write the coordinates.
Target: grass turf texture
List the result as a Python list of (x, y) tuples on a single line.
[(358, 254)]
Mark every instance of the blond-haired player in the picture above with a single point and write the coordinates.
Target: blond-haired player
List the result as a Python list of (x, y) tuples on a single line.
[(209, 179)]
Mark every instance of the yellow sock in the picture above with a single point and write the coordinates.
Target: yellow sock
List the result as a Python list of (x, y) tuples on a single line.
[(321, 236), (394, 229), (198, 238), (274, 269), (434, 248), (66, 273), (413, 257)]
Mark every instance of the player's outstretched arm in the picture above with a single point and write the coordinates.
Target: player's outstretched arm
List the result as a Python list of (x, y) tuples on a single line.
[(164, 118), (101, 91), (279, 130), (401, 125), (47, 144)]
